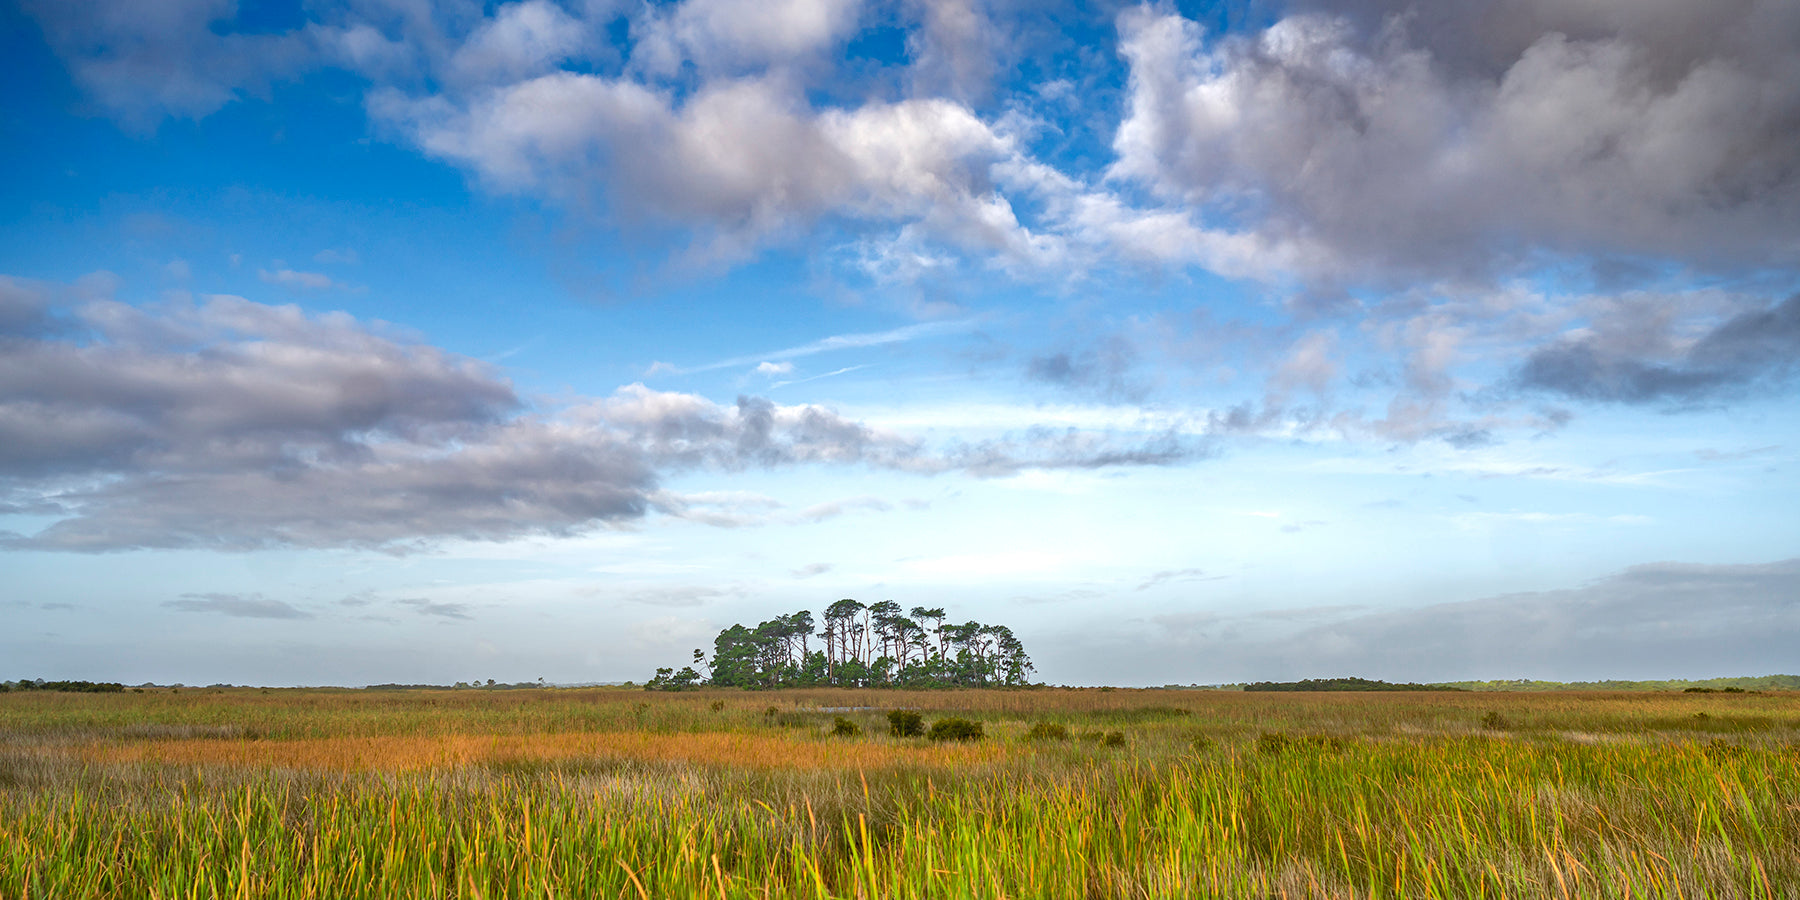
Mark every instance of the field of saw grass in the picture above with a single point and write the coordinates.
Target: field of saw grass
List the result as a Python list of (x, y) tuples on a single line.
[(567, 793)]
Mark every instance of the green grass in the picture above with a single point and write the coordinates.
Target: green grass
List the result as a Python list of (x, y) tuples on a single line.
[(1211, 795)]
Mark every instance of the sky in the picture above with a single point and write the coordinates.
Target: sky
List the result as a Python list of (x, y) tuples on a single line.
[(363, 341)]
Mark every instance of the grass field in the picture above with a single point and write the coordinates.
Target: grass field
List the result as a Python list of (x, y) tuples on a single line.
[(608, 793)]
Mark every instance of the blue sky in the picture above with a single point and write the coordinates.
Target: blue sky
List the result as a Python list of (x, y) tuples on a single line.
[(351, 342)]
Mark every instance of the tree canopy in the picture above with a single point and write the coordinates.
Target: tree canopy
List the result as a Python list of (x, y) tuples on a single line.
[(860, 645)]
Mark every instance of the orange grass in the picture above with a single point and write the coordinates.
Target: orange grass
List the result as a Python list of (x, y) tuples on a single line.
[(421, 753)]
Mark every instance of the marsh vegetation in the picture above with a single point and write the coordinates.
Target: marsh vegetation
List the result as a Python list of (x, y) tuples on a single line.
[(823, 793)]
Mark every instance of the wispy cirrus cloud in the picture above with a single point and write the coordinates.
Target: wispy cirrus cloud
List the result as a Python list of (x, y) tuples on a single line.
[(774, 359)]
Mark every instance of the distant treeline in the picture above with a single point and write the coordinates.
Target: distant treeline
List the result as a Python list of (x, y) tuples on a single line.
[(1744, 683), (872, 645), (1344, 684), (74, 687)]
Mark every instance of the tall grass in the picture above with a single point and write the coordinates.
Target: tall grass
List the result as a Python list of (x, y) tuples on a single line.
[(311, 795)]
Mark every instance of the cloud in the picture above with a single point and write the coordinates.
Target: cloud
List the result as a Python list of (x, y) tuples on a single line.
[(1050, 448), (230, 424), (819, 512), (1103, 369), (440, 610), (956, 49), (1372, 141), (776, 361), (1658, 620), (740, 35), (1754, 346), (289, 278), (677, 596), (247, 606), (925, 164), (142, 61), (811, 570), (1168, 576)]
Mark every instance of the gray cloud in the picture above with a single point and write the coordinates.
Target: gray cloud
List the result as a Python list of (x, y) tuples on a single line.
[(234, 425), (678, 596), (811, 570), (247, 606), (1659, 620), (141, 61), (1168, 576), (1751, 347), (1103, 369), (440, 610), (1050, 448), (831, 509), (1373, 140)]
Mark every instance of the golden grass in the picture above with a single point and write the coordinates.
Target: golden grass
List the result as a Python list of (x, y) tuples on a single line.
[(439, 752), (600, 793)]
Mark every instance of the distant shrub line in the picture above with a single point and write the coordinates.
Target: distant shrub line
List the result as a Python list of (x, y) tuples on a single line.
[(1344, 684), (70, 687)]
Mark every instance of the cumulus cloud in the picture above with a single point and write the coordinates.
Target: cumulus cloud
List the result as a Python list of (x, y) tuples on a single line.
[(739, 35), (246, 606), (1365, 141), (741, 159)]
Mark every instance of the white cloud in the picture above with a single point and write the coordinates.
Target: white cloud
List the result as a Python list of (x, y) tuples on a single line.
[(740, 35), (289, 278), (1356, 151)]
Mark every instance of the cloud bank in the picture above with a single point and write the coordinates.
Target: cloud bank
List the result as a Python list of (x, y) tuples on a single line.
[(223, 423)]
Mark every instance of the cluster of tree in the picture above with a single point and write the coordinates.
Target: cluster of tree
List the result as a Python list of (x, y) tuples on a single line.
[(78, 687), (1344, 684), (873, 645)]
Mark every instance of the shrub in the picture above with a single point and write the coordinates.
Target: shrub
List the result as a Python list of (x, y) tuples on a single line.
[(842, 727), (954, 729), (718, 705), (1048, 731), (905, 723), (770, 712), (1494, 721), (1114, 739)]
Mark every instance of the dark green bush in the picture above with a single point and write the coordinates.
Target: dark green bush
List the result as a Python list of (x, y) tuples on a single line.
[(1048, 731), (1114, 739), (842, 727), (905, 723), (954, 729), (1494, 721)]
